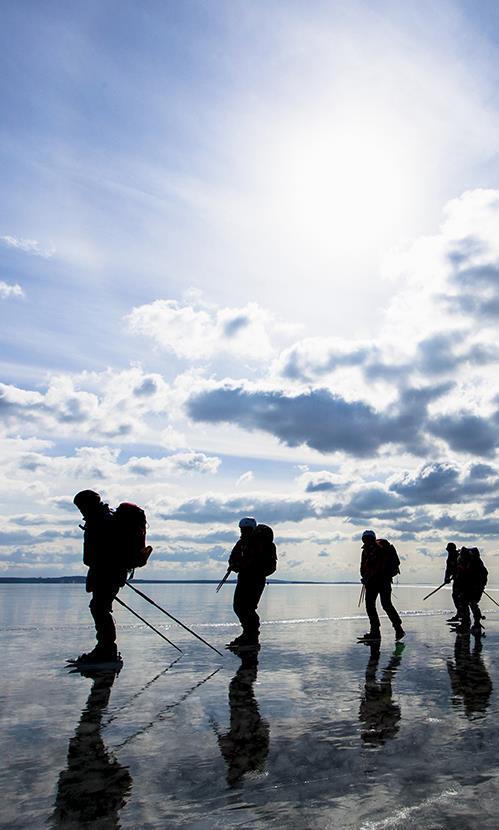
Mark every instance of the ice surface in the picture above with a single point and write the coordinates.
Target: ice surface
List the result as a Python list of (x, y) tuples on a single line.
[(318, 732)]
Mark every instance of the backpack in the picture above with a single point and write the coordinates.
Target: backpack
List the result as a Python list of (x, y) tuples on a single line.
[(392, 562), (267, 550), (130, 523)]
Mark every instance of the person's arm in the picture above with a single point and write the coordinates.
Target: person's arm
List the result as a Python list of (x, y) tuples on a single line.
[(235, 558), (363, 569)]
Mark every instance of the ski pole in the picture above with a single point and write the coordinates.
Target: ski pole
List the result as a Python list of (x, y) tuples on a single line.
[(435, 591), (173, 618), (223, 580), (362, 594), (493, 600), (148, 624)]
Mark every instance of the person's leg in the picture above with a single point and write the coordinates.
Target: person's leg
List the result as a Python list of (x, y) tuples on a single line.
[(101, 606), (464, 610), (246, 599), (372, 592), (385, 596), (477, 614)]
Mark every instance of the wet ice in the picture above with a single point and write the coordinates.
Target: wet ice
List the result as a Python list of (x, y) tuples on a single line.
[(314, 731)]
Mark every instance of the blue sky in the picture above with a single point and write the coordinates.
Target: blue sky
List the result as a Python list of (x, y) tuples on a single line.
[(249, 264)]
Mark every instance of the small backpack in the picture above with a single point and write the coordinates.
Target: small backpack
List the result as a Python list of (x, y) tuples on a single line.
[(265, 536), (131, 524)]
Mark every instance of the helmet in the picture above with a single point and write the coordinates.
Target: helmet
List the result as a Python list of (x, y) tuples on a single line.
[(451, 546), (368, 534), (86, 497), (248, 521)]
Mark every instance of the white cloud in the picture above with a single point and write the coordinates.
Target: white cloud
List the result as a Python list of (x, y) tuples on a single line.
[(245, 478), (202, 332), (9, 289), (29, 246), (119, 406)]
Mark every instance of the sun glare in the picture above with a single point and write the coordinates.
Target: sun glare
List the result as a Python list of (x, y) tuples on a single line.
[(349, 183)]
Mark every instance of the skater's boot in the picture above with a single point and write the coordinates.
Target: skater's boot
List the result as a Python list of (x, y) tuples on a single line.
[(234, 643), (372, 636), (100, 654), (399, 632), (248, 641)]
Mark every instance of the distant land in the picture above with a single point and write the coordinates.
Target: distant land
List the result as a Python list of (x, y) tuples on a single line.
[(71, 580)]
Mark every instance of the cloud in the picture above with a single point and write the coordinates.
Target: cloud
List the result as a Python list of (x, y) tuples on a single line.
[(467, 433), (8, 290), (245, 478), (102, 464), (223, 509), (319, 418), (200, 332), (119, 406), (443, 483), (29, 246), (185, 462), (314, 357), (322, 482)]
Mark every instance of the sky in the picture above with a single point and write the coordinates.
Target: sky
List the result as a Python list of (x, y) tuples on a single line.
[(249, 265)]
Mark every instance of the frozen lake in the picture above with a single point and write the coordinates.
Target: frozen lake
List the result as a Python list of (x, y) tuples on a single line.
[(320, 732)]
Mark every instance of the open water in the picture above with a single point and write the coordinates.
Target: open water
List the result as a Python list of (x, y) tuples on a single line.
[(317, 732)]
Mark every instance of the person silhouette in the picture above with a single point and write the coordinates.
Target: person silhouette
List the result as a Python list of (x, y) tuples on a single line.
[(470, 680), (246, 745), (94, 786), (107, 573), (378, 712)]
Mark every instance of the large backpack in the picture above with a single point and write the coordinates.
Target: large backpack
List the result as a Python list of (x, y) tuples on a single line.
[(267, 550), (391, 559), (131, 524)]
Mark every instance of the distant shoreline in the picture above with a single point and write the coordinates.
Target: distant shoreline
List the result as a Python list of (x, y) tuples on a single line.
[(77, 580)]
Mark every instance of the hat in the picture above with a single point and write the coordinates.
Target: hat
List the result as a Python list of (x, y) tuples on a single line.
[(451, 546), (86, 497), (248, 521), (368, 534)]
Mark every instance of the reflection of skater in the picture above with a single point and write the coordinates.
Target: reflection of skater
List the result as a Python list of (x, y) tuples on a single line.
[(253, 558), (94, 786), (106, 573), (379, 564), (379, 714), (246, 745), (469, 677), (450, 575), (470, 580)]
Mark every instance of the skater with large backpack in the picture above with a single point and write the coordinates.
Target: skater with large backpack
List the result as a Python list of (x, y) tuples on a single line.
[(253, 558), (379, 564), (113, 545), (470, 581)]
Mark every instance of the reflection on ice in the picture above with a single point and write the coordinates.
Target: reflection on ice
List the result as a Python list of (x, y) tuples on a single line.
[(469, 678), (316, 731), (94, 786), (246, 745), (378, 712)]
